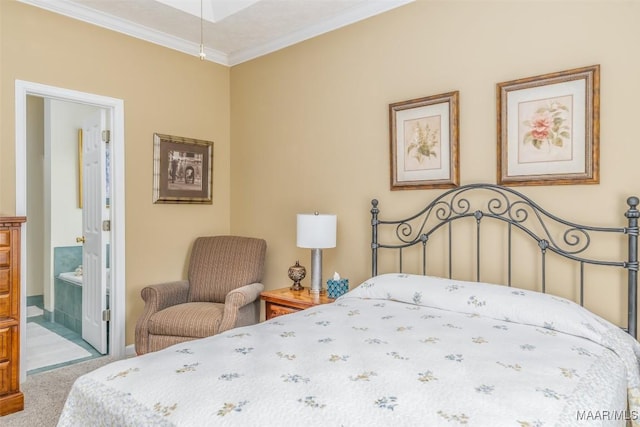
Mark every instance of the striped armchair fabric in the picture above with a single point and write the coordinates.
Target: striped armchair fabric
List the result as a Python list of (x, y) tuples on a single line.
[(222, 292)]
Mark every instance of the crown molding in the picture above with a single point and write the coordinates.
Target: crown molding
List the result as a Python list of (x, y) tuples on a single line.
[(351, 16), (91, 16)]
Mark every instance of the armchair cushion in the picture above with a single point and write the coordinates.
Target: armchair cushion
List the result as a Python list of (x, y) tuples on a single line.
[(219, 264), (192, 319)]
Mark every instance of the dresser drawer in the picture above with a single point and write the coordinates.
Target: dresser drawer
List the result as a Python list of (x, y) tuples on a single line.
[(5, 238), (5, 258), (6, 335), (8, 373), (5, 377), (5, 283), (5, 306)]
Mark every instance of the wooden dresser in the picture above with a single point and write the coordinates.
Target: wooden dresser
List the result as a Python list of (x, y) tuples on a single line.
[(11, 398)]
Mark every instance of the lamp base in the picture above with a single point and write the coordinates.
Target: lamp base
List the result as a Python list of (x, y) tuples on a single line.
[(316, 271), (296, 286), (318, 292)]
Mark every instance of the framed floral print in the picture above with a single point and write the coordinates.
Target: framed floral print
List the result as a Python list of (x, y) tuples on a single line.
[(548, 128), (424, 142)]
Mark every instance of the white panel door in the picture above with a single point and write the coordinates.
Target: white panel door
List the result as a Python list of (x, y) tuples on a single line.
[(94, 287)]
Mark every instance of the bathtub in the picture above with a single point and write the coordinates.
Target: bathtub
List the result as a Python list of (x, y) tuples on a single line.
[(68, 300), (75, 279)]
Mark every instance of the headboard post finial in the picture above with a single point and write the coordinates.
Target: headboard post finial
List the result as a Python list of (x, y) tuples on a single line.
[(633, 202), (632, 215), (374, 237)]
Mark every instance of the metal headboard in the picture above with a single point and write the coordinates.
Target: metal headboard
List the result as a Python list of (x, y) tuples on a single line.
[(516, 210)]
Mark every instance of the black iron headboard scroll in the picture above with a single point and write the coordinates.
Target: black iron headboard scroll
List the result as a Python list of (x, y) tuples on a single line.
[(516, 210)]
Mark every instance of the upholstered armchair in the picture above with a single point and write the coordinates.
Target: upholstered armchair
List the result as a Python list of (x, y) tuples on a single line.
[(222, 292)]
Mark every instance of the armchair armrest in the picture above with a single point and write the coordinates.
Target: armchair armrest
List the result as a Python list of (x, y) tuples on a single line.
[(235, 300), (156, 298), (163, 295)]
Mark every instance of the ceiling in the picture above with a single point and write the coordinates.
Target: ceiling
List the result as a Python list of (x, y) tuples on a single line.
[(233, 31)]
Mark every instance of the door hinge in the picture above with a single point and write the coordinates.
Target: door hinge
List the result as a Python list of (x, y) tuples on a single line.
[(106, 315), (106, 136), (106, 225)]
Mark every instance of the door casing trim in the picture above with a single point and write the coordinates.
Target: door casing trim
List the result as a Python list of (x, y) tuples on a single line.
[(117, 300)]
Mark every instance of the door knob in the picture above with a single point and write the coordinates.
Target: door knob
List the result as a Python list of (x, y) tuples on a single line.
[(80, 239)]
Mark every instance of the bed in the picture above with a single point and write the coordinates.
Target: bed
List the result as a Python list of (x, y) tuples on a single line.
[(405, 348)]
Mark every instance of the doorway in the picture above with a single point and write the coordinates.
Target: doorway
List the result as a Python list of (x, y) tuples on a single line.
[(115, 112), (57, 282)]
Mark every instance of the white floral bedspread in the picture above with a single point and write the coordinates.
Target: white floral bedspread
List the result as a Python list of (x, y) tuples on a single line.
[(399, 350)]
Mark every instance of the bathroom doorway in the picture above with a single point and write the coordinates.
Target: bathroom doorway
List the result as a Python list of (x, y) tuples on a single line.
[(55, 234), (57, 283)]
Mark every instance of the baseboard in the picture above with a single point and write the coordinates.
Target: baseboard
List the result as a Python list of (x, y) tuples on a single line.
[(37, 300), (130, 350)]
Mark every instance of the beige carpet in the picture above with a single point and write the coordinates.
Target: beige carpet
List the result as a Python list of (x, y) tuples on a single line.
[(46, 392)]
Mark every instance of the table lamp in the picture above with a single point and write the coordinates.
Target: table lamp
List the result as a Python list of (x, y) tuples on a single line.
[(316, 232)]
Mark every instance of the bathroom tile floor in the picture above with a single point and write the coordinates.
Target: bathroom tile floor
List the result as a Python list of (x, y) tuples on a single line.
[(47, 358)]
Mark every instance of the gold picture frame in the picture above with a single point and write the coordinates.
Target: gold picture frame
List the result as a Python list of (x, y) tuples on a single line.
[(80, 168), (424, 142), (182, 170), (549, 129)]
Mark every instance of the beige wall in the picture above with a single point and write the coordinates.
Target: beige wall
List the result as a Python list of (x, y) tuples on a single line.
[(163, 91), (310, 123)]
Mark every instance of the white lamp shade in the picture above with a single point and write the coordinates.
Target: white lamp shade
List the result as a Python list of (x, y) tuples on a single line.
[(316, 231)]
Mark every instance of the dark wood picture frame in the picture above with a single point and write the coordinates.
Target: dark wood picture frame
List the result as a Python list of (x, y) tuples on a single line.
[(182, 170)]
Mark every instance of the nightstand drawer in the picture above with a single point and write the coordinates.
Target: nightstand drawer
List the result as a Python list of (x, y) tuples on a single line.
[(285, 301), (275, 310)]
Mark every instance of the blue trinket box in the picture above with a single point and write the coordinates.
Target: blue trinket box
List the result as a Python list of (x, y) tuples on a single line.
[(336, 288)]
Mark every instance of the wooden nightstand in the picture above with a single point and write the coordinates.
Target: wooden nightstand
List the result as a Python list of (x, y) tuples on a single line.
[(285, 301)]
